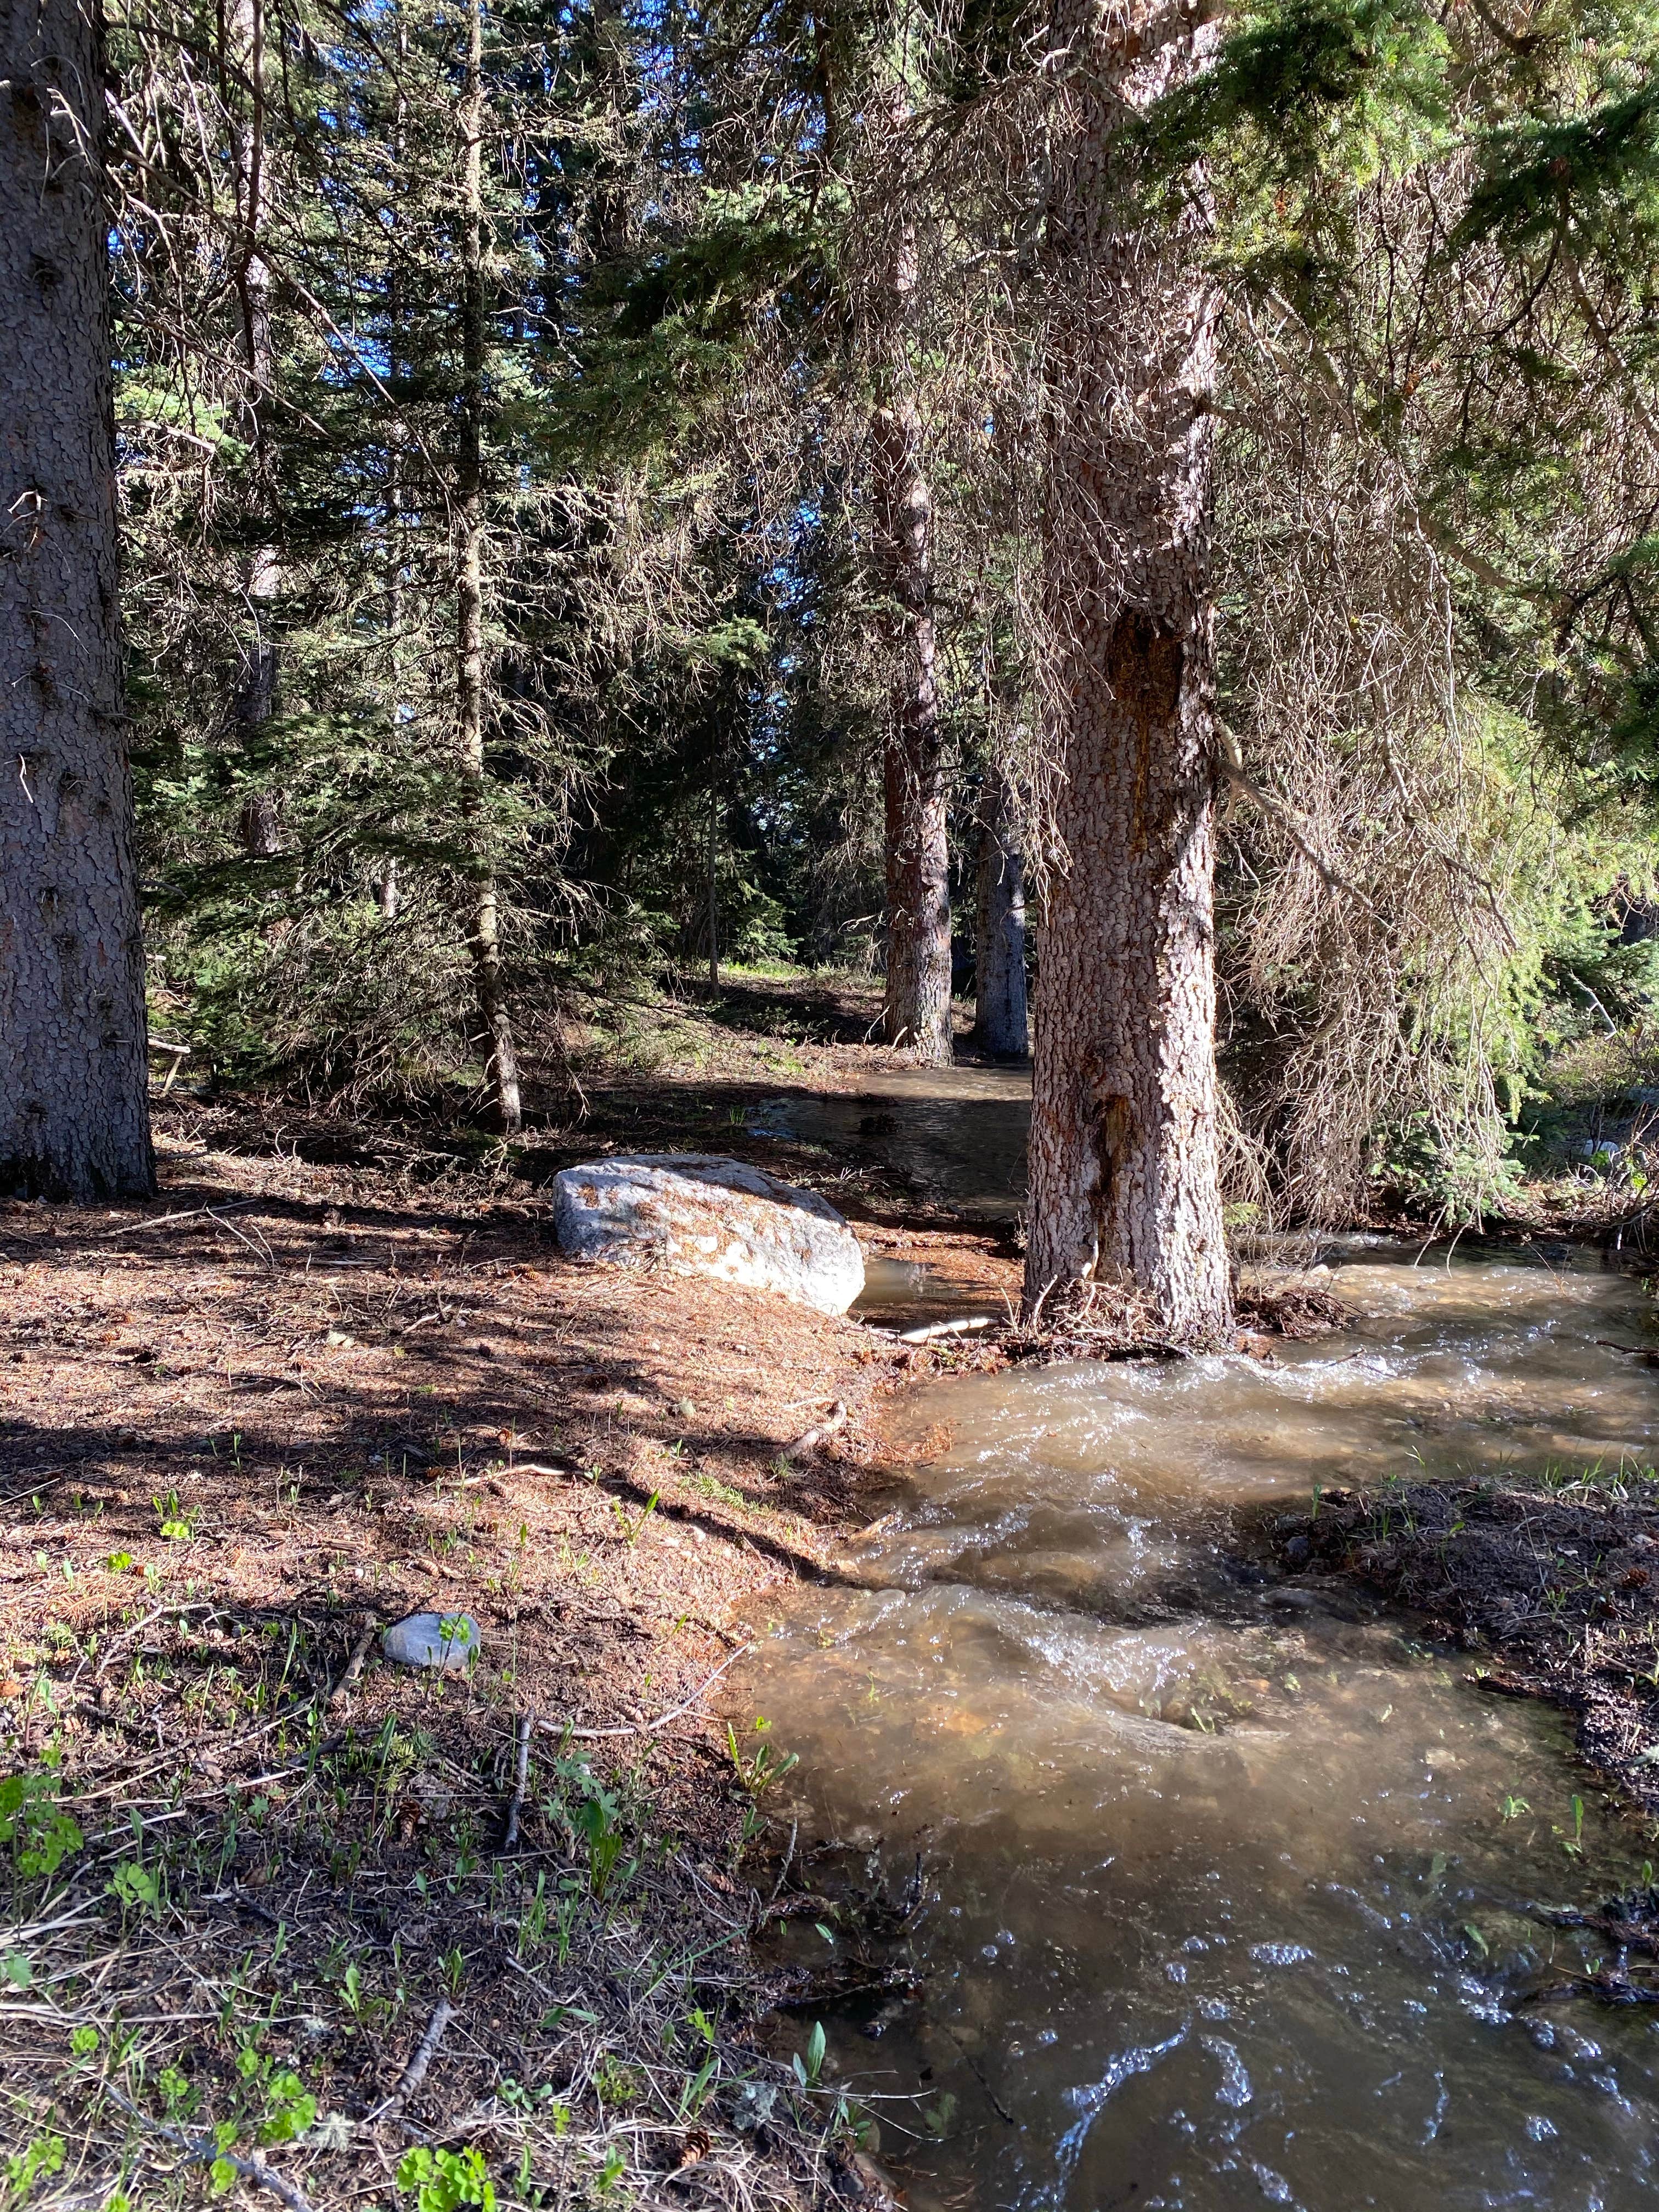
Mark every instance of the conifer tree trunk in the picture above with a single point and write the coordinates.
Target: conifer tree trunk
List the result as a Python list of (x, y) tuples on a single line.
[(917, 1006), (254, 699), (483, 940), (999, 1023), (713, 887), (74, 1121), (1123, 1157), (388, 891)]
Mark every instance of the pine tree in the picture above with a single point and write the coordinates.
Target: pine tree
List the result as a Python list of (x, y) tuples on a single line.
[(1124, 1166), (1000, 1010), (74, 1121), (916, 1008)]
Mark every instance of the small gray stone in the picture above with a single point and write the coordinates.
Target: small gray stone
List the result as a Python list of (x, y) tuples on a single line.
[(446, 1640), (752, 2105)]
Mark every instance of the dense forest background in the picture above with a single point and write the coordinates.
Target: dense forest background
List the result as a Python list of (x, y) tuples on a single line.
[(513, 406)]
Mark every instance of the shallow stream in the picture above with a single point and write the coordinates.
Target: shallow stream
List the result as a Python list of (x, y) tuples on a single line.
[(1227, 1872)]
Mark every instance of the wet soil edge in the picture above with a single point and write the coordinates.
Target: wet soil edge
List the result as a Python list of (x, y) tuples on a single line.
[(1553, 1593)]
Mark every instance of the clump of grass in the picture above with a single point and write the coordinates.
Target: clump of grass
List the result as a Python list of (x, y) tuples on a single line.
[(722, 1493)]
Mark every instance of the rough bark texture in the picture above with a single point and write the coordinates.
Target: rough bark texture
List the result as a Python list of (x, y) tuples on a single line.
[(917, 1013), (483, 938), (254, 700), (73, 1119), (1124, 1166), (999, 1024)]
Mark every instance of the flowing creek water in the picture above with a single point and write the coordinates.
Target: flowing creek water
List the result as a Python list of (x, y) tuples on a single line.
[(1226, 1870)]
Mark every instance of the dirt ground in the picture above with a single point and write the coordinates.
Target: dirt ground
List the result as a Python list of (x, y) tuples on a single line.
[(337, 1372)]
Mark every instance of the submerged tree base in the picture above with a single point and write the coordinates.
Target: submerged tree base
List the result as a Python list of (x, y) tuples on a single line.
[(1101, 1321)]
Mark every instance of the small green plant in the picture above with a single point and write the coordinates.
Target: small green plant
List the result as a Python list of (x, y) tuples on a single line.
[(616, 2085), (171, 1514), (937, 2118), (614, 2165), (696, 2094), (281, 2104), (1513, 1807), (43, 2157), (41, 1834), (137, 1888), (758, 1773), (456, 1633), (445, 2180), (177, 2092), (290, 2108), (810, 2065), (532, 1921), (1573, 1844), (597, 1820)]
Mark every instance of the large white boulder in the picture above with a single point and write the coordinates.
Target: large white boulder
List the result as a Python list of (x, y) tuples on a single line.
[(701, 1215)]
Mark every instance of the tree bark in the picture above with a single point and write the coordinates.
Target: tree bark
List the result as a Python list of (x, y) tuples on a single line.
[(484, 936), (1125, 1182), (74, 1120), (388, 890), (999, 1023), (917, 1004), (254, 695), (713, 887)]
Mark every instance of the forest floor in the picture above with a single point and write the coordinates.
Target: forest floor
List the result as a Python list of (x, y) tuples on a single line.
[(264, 1911), (267, 1933)]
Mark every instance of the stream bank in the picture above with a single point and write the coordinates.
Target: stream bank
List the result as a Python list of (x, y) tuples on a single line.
[(1552, 1587)]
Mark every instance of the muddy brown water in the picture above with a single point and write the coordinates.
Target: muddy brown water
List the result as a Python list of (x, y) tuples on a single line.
[(956, 1134), (1227, 1873)]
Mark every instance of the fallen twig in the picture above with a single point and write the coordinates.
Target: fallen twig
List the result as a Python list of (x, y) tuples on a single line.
[(520, 1778), (354, 1665), (836, 1420), (415, 2073), (261, 1250), (161, 1220), (937, 1328), (648, 1728)]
